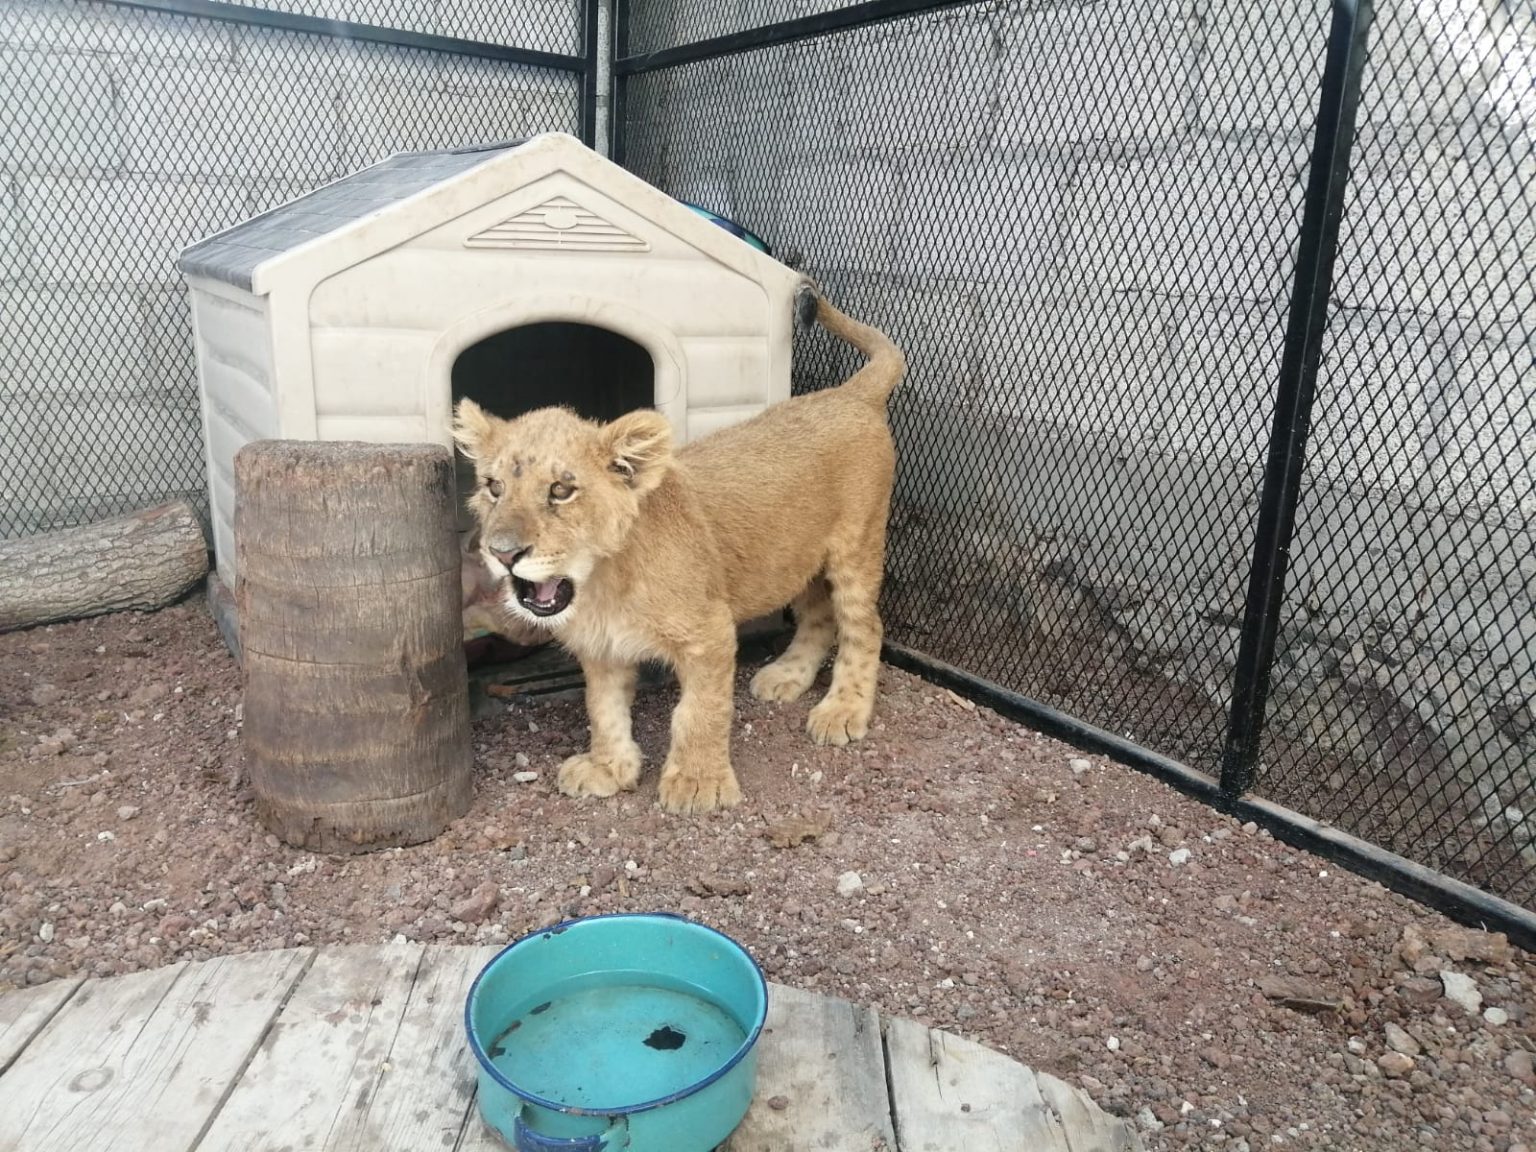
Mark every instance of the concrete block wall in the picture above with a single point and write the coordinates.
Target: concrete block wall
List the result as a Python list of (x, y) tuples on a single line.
[(124, 136)]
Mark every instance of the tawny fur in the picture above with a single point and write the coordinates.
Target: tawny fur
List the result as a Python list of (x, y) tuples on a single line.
[(670, 549)]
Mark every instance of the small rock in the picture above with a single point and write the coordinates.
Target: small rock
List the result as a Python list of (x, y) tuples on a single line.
[(46, 694), (1113, 1043), (1170, 836), (1179, 856), (45, 933), (1496, 1016), (603, 877), (1521, 1065), (1462, 990), (778, 1103), (533, 725), (127, 812), (174, 925), (1148, 1121), (479, 905), (1356, 1046), (1086, 844), (1395, 1065), (118, 910), (106, 836), (1399, 1040), (1144, 963), (1141, 844), (521, 759), (849, 883), (1078, 766), (525, 777), (1470, 944)]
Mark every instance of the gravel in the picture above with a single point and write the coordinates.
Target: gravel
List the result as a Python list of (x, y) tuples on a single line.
[(1002, 895)]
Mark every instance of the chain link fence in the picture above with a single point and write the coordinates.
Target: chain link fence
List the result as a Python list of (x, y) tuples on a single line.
[(127, 133), (1102, 232)]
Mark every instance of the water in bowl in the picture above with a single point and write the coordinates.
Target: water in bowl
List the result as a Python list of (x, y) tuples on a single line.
[(614, 1043)]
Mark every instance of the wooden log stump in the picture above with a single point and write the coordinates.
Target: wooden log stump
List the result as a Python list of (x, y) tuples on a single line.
[(138, 562), (356, 693)]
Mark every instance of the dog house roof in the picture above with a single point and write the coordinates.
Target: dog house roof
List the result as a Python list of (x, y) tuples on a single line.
[(243, 255)]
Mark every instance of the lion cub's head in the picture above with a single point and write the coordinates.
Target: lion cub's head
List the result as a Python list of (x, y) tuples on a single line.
[(555, 494)]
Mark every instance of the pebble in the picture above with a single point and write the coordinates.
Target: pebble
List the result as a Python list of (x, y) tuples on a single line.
[(525, 777), (1078, 766), (45, 933), (1399, 1040), (478, 905), (849, 883), (1113, 1043), (1461, 989), (118, 909), (521, 760), (1395, 1065), (1521, 1065), (1496, 1016), (127, 812), (1179, 856)]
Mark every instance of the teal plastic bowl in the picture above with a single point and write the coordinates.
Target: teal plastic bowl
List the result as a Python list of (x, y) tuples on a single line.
[(610, 1033)]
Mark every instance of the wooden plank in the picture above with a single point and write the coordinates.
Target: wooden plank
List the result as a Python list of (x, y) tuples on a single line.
[(142, 1062), (325, 1056), (24, 1013), (1089, 1128), (821, 1060), (422, 1091), (950, 1094)]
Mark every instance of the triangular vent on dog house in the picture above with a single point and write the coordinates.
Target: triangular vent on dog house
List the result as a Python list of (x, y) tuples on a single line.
[(558, 224)]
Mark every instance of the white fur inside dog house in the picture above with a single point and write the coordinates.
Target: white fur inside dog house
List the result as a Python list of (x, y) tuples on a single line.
[(521, 275)]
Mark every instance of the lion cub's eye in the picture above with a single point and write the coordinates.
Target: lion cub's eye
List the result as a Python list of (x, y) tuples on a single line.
[(495, 487), (560, 492)]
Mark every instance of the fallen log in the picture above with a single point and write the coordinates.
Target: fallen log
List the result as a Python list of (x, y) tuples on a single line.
[(138, 562)]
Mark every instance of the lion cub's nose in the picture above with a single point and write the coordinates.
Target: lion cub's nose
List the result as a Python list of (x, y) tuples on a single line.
[(506, 554)]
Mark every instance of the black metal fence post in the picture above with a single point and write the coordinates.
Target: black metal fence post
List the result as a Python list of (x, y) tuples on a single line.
[(617, 83), (1310, 295), (589, 51)]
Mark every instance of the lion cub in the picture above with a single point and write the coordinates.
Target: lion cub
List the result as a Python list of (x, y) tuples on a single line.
[(627, 550)]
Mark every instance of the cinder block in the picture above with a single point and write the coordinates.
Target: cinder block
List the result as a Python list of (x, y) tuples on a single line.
[(281, 119), (1485, 439), (1209, 219), (899, 88), (1220, 395), (125, 451), (1261, 66), (1095, 364), (840, 213), (983, 220), (64, 26), (1440, 234), (1074, 73), (62, 116), (13, 258), (73, 340), (448, 103), (120, 231)]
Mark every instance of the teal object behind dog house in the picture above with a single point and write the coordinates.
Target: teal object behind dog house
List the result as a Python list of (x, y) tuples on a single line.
[(624, 1033)]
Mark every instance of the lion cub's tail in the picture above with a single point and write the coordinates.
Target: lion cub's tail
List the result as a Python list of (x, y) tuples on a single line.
[(878, 378)]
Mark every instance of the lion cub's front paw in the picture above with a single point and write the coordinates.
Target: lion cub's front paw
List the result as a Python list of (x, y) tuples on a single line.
[(589, 775), (839, 721), (692, 793), (781, 684)]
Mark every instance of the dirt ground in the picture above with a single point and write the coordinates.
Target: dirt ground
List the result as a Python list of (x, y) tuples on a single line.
[(1220, 988)]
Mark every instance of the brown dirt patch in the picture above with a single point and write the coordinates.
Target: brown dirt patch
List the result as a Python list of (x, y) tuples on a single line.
[(992, 899)]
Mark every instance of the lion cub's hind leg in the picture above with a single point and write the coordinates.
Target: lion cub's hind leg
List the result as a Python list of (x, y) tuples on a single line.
[(613, 764), (795, 670), (844, 713)]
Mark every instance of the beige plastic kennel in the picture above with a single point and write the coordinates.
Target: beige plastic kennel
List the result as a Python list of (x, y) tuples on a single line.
[(521, 275)]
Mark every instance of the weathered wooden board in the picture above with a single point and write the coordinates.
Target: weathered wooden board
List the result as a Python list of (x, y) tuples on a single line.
[(143, 1062), (422, 1092), (950, 1094), (23, 1015), (821, 1061), (324, 1057)]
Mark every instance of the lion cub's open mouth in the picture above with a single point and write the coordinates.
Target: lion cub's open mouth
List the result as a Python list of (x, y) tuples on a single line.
[(547, 597)]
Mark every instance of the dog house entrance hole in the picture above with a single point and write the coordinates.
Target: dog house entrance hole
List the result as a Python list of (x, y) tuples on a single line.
[(598, 373)]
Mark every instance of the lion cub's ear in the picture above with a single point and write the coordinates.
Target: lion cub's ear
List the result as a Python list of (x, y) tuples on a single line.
[(471, 427), (639, 446)]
